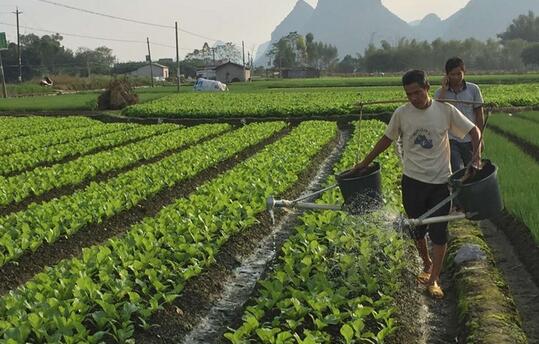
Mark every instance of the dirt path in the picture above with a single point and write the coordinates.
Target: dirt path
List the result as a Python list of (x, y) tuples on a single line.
[(425, 320), (441, 324), (522, 287)]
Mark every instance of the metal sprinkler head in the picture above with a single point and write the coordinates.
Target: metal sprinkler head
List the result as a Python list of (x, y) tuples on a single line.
[(402, 224)]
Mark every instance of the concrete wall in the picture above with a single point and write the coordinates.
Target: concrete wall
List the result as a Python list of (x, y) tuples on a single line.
[(230, 73), (158, 72)]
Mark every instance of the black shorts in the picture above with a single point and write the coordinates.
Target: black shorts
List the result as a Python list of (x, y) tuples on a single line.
[(418, 198)]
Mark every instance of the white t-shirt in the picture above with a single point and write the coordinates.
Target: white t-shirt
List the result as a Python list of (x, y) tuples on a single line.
[(425, 139)]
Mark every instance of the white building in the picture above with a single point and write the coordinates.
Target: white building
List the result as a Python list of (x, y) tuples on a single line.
[(160, 72), (226, 73)]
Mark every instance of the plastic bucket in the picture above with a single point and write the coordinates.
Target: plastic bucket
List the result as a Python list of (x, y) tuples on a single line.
[(480, 195), (362, 191)]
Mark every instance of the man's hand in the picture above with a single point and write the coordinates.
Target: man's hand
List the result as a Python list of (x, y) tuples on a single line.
[(472, 169), (445, 83), (354, 170), (360, 166)]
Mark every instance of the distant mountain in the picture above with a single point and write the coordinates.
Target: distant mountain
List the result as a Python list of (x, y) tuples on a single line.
[(260, 58), (294, 21), (483, 19), (430, 28), (352, 24), (301, 12)]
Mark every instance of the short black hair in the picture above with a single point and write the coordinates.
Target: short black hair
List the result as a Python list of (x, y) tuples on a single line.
[(453, 63), (415, 76)]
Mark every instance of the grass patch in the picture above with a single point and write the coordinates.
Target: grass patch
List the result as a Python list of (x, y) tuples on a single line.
[(518, 176), (486, 309)]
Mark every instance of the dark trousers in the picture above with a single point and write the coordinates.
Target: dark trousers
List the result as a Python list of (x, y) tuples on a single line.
[(461, 154), (418, 198)]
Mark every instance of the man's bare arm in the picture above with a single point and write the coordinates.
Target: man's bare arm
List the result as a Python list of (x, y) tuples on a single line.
[(479, 118), (380, 147)]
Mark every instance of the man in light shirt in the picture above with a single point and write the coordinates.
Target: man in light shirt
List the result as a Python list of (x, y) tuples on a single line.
[(424, 126)]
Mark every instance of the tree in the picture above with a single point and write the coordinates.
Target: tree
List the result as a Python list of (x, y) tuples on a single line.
[(97, 61), (312, 55), (348, 65), (294, 50), (530, 55), (228, 52), (524, 27), (40, 56), (222, 52), (282, 54)]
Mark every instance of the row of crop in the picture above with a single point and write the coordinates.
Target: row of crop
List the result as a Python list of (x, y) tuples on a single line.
[(377, 81), (279, 104), (530, 116), (522, 128), (43, 179), (110, 289), (28, 229), (24, 144), (337, 276), (17, 162), (519, 180), (20, 127), (6, 121), (328, 101)]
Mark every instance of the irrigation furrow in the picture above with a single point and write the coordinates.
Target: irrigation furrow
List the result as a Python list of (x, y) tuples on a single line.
[(523, 288), (201, 291), (243, 278), (528, 148)]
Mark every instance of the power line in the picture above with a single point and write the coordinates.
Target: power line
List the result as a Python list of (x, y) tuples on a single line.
[(125, 19), (105, 15), (92, 37)]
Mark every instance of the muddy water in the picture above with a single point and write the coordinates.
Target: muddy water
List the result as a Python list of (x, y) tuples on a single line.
[(252, 268)]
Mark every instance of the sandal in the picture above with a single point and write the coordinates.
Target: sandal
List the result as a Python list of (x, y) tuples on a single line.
[(423, 277), (435, 291)]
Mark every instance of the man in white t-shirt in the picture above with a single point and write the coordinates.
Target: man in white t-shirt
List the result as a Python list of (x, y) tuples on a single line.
[(423, 125)]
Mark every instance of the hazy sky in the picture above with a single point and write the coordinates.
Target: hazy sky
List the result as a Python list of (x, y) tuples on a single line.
[(225, 20)]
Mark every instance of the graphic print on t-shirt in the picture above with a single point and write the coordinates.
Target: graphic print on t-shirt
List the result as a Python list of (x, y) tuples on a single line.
[(423, 138)]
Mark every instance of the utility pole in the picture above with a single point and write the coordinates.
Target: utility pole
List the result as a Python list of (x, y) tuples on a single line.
[(17, 12), (213, 53), (3, 46), (4, 90), (178, 82), (243, 49), (150, 58), (88, 66)]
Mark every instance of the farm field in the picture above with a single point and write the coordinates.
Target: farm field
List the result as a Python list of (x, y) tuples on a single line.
[(68, 102), (120, 283), (308, 102), (126, 232), (512, 143), (86, 100), (518, 126)]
